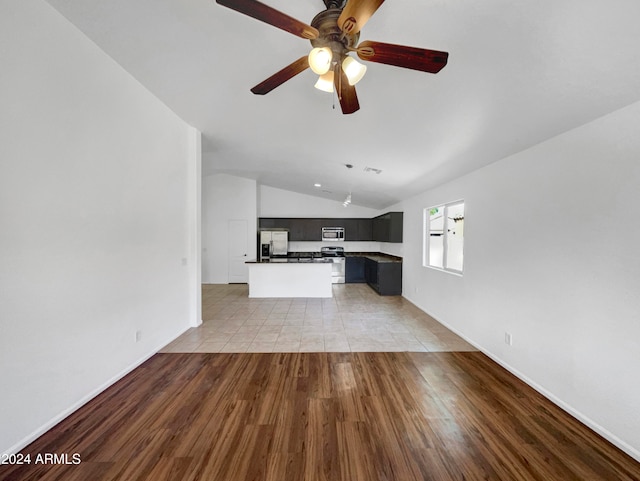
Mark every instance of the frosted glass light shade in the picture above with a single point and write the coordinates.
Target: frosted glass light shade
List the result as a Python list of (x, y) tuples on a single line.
[(353, 69), (320, 60), (325, 82)]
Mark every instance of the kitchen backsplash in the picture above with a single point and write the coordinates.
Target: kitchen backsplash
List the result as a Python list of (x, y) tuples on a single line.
[(312, 246), (393, 248)]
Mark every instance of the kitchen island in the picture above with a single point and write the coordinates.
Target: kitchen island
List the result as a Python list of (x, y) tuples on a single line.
[(290, 278)]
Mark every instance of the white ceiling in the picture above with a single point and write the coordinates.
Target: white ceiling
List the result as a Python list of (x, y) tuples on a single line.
[(519, 72)]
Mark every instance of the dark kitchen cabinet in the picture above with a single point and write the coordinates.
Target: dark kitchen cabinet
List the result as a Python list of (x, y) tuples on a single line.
[(303, 229), (310, 228), (377, 229), (384, 277), (350, 228), (371, 273), (300, 229), (365, 230), (356, 229), (354, 269), (388, 227), (272, 223)]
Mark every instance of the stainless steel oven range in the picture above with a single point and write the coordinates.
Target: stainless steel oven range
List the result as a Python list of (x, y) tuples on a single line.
[(336, 255)]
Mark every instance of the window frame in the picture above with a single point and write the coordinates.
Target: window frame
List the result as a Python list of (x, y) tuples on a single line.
[(426, 224)]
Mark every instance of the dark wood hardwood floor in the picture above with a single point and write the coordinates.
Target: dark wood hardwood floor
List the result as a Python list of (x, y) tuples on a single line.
[(323, 416)]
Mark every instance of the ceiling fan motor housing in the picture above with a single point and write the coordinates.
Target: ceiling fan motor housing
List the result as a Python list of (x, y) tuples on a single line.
[(331, 36)]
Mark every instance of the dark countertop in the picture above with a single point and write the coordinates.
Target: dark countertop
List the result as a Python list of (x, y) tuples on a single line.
[(292, 260), (304, 255), (376, 256), (316, 257)]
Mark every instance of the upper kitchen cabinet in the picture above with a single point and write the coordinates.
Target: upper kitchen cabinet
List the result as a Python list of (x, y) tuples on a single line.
[(388, 227), (365, 230), (310, 229), (274, 223), (300, 229), (356, 229), (384, 228)]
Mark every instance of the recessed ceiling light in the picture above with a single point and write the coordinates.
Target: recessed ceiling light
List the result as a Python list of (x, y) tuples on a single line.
[(317, 185)]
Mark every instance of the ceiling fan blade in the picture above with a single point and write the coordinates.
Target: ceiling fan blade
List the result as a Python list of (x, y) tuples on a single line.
[(346, 93), (356, 13), (269, 15), (281, 76), (431, 61)]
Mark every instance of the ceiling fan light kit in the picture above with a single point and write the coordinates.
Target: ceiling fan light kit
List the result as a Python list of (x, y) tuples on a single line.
[(325, 82), (320, 60), (353, 69), (334, 33)]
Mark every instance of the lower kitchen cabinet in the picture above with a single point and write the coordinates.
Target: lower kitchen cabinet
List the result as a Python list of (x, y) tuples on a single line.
[(387, 280), (384, 277), (354, 269)]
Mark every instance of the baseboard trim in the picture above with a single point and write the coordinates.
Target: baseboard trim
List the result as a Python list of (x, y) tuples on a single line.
[(16, 448), (606, 434)]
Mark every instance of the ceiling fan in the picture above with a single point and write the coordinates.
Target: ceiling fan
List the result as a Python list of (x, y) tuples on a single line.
[(334, 33)]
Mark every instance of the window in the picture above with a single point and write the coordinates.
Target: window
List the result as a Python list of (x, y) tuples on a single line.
[(444, 234)]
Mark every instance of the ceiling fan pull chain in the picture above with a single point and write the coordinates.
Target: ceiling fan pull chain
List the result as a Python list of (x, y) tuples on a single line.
[(339, 73)]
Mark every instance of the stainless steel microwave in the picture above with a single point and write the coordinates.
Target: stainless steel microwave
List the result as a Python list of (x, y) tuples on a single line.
[(333, 233)]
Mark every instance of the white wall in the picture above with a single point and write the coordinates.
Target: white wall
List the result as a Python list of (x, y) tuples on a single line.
[(284, 203), (552, 256), (194, 213), (225, 197), (94, 228)]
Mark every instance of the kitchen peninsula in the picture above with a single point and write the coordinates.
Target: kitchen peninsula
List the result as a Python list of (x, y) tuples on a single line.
[(289, 278)]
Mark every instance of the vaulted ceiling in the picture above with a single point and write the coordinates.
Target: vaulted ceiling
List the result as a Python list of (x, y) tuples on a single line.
[(519, 72)]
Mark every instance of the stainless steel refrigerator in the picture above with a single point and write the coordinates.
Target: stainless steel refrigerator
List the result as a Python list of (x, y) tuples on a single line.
[(273, 243)]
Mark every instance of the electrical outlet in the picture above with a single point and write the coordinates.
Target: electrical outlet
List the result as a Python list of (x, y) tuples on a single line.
[(138, 336), (508, 340)]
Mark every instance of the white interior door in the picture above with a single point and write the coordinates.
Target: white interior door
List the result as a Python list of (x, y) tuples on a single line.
[(238, 272)]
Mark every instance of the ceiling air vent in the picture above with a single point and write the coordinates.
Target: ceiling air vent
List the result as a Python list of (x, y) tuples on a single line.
[(371, 169)]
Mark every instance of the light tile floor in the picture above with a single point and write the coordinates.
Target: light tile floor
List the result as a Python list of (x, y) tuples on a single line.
[(355, 319)]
